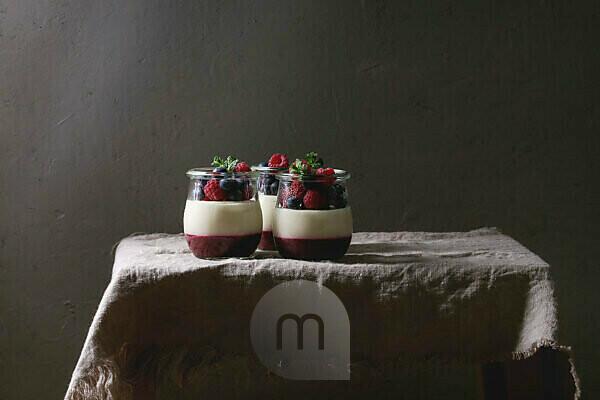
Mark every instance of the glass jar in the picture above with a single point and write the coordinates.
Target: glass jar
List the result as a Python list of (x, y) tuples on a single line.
[(267, 185), (312, 219), (222, 216)]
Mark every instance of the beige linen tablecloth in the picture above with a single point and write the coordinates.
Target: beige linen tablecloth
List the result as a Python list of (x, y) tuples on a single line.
[(426, 310)]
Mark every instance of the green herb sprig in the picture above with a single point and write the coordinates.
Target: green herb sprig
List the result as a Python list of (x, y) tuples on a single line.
[(313, 159), (228, 163)]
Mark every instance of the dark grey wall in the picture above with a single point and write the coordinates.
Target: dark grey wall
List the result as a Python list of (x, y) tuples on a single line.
[(451, 114)]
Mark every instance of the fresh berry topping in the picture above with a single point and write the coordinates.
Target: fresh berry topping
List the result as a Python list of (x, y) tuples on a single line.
[(314, 200), (327, 172), (337, 196), (278, 160), (228, 164), (228, 184), (268, 184), (235, 195), (242, 166), (301, 167), (296, 189), (213, 191), (220, 170), (263, 164), (269, 179), (294, 203)]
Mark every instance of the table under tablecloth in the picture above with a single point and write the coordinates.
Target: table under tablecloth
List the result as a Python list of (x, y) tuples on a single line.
[(426, 310)]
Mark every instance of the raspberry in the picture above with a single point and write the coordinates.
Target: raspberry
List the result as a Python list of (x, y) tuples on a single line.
[(213, 191), (294, 190), (279, 160), (242, 166), (328, 172), (325, 171), (314, 200)]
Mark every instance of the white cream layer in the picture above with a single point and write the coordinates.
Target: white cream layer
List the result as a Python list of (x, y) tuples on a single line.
[(222, 218), (312, 224), (267, 206)]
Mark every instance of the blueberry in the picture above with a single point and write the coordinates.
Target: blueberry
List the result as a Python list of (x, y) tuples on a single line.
[(263, 164), (273, 187), (235, 195), (241, 183), (270, 179), (220, 169), (294, 203), (265, 184), (228, 184), (337, 196)]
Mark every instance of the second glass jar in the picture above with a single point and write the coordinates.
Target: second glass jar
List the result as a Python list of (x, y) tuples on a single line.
[(312, 218), (268, 186)]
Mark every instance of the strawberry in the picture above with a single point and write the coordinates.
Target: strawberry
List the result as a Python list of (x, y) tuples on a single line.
[(315, 200), (213, 191), (242, 166), (278, 160)]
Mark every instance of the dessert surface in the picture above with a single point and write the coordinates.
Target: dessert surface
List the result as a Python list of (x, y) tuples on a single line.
[(222, 218), (312, 224), (267, 205)]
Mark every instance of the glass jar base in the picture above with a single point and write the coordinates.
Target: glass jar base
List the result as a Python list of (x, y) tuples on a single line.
[(266, 241), (312, 249), (223, 246)]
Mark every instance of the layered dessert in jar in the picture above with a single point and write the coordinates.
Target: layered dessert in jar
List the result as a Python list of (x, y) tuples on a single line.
[(312, 219), (222, 216), (268, 186)]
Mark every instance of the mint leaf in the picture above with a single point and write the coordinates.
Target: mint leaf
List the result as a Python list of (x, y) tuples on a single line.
[(313, 159), (229, 163), (300, 167)]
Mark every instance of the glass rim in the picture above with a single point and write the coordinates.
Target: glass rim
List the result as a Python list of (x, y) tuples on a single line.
[(269, 169), (339, 174), (207, 172)]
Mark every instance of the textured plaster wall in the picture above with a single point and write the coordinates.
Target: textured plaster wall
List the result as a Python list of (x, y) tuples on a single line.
[(450, 114)]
